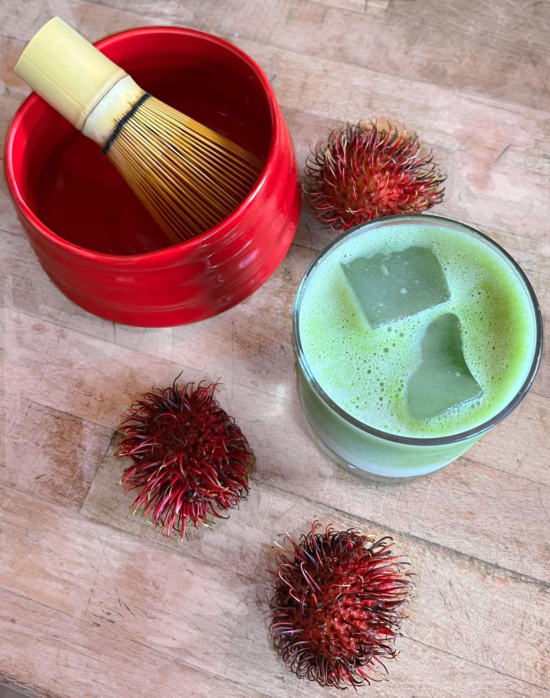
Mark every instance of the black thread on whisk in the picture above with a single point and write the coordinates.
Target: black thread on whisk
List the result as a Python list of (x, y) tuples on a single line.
[(125, 118)]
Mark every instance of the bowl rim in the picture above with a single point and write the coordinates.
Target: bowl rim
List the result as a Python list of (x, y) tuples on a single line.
[(166, 253)]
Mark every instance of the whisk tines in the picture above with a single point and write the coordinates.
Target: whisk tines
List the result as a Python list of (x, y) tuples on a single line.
[(188, 176)]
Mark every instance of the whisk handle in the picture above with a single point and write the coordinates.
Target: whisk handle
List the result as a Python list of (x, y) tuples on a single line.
[(67, 71)]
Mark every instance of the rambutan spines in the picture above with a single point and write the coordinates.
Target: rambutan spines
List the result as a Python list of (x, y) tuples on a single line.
[(190, 459), (370, 170), (336, 605)]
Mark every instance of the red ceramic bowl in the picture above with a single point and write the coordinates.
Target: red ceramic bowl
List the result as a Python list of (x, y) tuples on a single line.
[(93, 237)]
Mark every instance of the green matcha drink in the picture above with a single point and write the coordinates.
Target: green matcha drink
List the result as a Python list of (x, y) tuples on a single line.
[(414, 335)]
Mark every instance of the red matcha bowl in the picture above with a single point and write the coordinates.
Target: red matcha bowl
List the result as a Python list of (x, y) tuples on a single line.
[(93, 237)]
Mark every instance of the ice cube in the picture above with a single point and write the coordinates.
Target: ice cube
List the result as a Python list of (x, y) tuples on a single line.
[(443, 379), (394, 286)]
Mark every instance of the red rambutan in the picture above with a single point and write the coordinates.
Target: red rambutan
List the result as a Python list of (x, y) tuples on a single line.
[(370, 170), (336, 605), (189, 457)]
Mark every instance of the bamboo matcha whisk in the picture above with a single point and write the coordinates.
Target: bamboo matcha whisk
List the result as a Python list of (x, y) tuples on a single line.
[(188, 176)]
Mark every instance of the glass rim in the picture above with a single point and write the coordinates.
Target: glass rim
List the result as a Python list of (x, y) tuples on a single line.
[(418, 440)]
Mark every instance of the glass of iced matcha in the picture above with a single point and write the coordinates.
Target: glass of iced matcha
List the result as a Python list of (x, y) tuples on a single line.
[(414, 336)]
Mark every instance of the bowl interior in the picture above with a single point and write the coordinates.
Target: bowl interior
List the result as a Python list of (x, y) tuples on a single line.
[(77, 193)]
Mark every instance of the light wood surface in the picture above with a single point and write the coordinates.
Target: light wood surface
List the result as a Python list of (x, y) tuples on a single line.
[(94, 603)]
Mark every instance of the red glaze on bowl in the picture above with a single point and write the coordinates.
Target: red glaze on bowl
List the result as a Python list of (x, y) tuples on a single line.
[(94, 238)]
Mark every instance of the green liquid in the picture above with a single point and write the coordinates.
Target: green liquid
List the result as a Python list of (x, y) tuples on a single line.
[(366, 370)]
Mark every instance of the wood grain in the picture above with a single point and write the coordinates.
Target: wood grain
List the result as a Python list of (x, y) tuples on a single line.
[(455, 592), (96, 603), (50, 454), (194, 610), (501, 52), (97, 380), (103, 665), (98, 664)]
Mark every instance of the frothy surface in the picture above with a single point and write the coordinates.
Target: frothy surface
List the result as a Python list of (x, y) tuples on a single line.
[(366, 371)]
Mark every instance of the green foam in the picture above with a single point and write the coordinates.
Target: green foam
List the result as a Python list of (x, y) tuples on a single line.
[(366, 370)]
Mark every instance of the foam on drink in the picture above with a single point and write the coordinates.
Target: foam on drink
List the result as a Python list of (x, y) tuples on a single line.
[(366, 367)]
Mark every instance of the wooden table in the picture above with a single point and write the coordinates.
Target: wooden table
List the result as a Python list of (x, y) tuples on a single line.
[(93, 603)]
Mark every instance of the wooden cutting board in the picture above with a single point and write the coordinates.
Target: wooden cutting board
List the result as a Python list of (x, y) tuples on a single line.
[(93, 603)]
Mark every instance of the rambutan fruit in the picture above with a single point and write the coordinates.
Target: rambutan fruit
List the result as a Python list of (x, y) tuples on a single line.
[(370, 170), (190, 459), (336, 605)]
